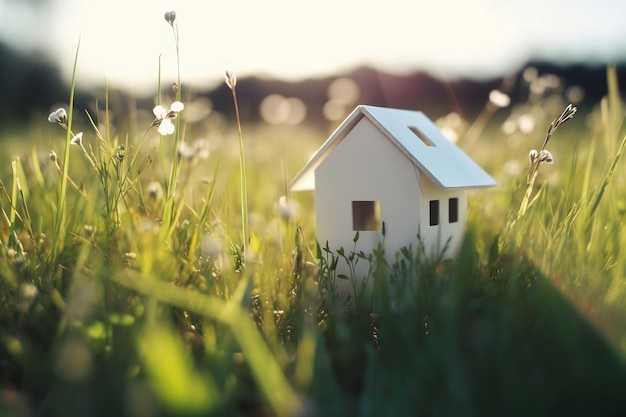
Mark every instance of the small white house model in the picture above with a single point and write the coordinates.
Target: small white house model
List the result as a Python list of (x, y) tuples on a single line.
[(392, 166)]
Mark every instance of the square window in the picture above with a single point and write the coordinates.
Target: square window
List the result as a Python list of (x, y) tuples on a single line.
[(453, 210), (434, 212), (366, 215)]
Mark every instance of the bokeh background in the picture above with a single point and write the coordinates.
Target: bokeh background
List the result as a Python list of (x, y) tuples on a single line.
[(303, 63)]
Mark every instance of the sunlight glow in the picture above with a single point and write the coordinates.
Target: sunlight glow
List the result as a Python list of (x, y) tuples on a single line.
[(121, 41)]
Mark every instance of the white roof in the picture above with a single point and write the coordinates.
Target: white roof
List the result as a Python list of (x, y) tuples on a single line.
[(441, 160)]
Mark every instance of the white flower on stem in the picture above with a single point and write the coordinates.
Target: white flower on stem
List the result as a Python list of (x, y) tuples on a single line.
[(201, 147), (58, 116), (288, 209), (155, 191), (546, 156), (164, 117), (198, 150), (77, 139), (543, 156)]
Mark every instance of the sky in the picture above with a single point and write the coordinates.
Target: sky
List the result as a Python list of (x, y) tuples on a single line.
[(122, 41)]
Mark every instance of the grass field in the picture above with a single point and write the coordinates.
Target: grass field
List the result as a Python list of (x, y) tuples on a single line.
[(144, 273)]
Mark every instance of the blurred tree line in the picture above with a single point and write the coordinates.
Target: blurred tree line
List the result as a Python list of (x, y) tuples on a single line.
[(29, 86)]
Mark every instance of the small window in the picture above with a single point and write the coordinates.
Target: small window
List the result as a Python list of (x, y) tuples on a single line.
[(366, 215), (421, 136), (434, 212), (453, 210)]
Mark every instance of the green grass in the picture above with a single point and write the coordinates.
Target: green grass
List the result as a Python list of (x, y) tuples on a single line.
[(117, 299)]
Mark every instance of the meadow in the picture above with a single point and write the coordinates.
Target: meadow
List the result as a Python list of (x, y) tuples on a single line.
[(154, 264)]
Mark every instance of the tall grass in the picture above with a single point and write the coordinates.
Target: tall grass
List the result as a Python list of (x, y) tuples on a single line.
[(231, 81), (60, 222), (573, 233), (144, 308)]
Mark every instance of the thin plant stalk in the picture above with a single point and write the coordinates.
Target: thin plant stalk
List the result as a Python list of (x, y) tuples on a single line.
[(170, 210), (231, 81), (60, 224), (537, 157), (607, 178)]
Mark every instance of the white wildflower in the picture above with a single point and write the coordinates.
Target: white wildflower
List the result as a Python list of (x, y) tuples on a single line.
[(164, 117), (77, 139), (155, 191), (199, 149), (546, 156), (58, 116), (288, 209)]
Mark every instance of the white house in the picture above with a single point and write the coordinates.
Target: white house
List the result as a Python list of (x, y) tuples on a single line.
[(392, 166)]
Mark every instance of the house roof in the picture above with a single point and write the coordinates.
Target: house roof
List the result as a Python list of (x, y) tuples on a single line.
[(417, 137)]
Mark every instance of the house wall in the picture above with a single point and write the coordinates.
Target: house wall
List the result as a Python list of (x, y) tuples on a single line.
[(446, 233), (366, 166)]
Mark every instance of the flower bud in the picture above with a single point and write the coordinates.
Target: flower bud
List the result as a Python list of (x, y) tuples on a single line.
[(231, 80), (546, 156), (170, 17), (121, 152)]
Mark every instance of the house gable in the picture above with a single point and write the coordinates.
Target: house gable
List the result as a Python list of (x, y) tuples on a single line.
[(417, 138), (368, 177)]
